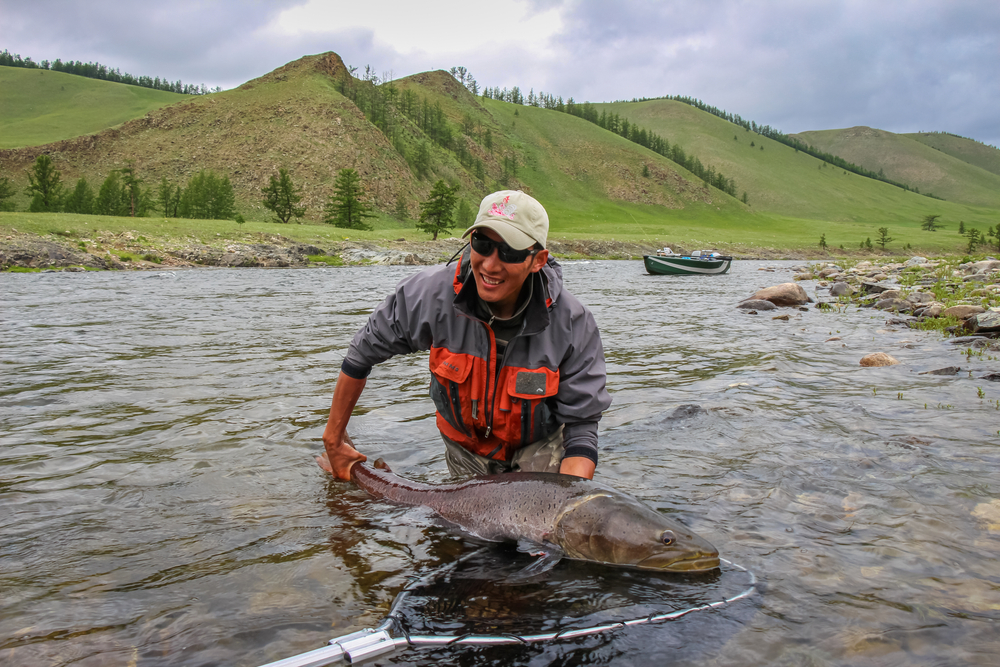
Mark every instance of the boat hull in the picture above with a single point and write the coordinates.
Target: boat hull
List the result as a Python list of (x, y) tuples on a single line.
[(686, 266)]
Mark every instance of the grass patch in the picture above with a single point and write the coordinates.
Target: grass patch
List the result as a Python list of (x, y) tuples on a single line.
[(329, 260), (150, 257), (21, 269)]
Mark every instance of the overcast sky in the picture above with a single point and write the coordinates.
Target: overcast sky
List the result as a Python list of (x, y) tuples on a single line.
[(797, 65)]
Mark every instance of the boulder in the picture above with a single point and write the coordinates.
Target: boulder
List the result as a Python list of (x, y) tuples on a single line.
[(934, 309), (986, 322), (829, 271), (803, 276), (878, 359), (841, 289), (894, 303), (982, 267), (963, 312), (785, 294), (874, 288), (757, 304), (914, 261), (920, 298)]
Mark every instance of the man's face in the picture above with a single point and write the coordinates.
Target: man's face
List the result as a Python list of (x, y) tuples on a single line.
[(500, 283)]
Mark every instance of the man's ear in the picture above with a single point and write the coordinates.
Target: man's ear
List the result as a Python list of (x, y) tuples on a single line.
[(538, 261)]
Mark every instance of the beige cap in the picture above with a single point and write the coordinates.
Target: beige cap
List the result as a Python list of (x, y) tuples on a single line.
[(518, 218)]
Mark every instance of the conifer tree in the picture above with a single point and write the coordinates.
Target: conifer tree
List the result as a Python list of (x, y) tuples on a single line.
[(344, 208), (883, 237), (281, 197), (81, 199), (6, 192), (436, 212), (44, 186)]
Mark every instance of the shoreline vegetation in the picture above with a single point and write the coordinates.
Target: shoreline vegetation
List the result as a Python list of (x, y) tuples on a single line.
[(48, 241)]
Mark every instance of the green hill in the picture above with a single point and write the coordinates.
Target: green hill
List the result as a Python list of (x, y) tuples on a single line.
[(913, 162), (967, 150), (40, 106), (311, 118)]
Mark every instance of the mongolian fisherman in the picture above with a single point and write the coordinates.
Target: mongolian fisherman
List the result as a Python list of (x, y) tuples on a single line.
[(517, 366)]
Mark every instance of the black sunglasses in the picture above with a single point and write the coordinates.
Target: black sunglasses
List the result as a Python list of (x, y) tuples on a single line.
[(484, 245)]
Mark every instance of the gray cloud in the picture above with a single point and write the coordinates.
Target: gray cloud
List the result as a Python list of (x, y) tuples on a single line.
[(898, 65)]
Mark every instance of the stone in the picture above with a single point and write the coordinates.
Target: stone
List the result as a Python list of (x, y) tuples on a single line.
[(873, 288), (982, 267), (948, 370), (781, 317), (757, 304), (899, 305), (914, 261), (785, 294), (984, 322), (803, 276), (963, 311), (920, 297), (841, 289), (878, 359), (932, 310), (829, 271)]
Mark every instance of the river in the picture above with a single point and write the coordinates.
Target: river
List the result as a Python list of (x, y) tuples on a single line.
[(159, 503)]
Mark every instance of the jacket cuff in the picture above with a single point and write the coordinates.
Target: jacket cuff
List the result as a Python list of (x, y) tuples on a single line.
[(580, 439), (356, 372)]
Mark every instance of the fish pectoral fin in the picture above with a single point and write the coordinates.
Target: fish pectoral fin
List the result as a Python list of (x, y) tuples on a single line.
[(547, 555)]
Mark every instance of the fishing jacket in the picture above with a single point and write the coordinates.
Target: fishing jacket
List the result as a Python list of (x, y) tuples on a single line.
[(552, 373)]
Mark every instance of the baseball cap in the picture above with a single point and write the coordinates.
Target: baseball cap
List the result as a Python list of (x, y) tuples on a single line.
[(517, 217)]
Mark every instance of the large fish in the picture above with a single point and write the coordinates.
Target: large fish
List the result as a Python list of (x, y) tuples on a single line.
[(556, 515)]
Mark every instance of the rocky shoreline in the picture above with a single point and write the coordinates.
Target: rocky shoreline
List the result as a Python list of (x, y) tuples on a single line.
[(962, 299), (130, 251)]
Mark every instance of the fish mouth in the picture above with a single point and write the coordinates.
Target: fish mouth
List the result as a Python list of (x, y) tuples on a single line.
[(672, 563)]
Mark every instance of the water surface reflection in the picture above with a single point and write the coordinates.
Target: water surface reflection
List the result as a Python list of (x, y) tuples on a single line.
[(161, 506)]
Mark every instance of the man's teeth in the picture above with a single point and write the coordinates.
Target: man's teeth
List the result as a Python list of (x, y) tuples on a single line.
[(490, 281)]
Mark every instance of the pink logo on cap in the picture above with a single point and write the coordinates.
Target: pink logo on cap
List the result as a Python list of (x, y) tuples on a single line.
[(504, 209)]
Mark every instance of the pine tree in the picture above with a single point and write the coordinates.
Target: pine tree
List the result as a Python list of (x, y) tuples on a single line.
[(281, 197), (44, 186), (435, 213), (883, 237), (168, 198), (111, 197), (132, 190), (207, 197), (401, 213), (81, 199), (930, 223), (6, 192), (344, 208)]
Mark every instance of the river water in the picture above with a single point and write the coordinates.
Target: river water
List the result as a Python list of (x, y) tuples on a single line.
[(159, 503)]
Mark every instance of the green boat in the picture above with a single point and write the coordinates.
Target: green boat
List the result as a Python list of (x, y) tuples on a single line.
[(698, 263)]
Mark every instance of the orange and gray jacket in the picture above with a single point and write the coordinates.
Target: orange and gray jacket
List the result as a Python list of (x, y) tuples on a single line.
[(552, 373)]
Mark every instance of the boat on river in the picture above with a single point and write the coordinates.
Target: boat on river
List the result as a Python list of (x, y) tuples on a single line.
[(700, 262)]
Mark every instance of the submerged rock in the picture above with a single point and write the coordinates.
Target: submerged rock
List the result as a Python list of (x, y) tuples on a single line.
[(878, 359), (756, 304), (785, 294), (948, 370)]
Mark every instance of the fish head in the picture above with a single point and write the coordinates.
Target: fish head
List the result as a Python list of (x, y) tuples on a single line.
[(613, 528)]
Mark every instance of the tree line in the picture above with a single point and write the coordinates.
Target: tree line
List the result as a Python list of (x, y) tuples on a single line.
[(104, 73), (206, 196), (620, 126), (780, 137)]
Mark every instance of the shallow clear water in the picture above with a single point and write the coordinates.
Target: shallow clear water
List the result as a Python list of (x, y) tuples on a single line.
[(159, 503)]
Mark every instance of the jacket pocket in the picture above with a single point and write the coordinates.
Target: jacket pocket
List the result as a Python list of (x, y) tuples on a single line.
[(526, 394), (449, 372)]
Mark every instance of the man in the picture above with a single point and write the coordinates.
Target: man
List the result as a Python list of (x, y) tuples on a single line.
[(517, 366)]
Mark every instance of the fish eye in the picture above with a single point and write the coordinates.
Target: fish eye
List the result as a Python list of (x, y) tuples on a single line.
[(668, 538)]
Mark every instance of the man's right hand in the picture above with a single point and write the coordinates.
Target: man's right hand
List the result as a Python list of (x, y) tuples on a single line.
[(340, 453), (344, 456)]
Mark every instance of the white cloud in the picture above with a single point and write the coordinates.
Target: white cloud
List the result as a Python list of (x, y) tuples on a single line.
[(442, 26)]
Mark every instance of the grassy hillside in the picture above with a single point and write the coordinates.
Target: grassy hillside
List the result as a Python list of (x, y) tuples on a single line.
[(967, 150), (40, 106), (595, 184), (909, 161)]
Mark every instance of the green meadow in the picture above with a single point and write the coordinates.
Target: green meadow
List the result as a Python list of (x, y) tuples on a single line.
[(40, 106)]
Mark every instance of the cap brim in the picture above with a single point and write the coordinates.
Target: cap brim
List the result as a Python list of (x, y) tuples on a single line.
[(513, 236)]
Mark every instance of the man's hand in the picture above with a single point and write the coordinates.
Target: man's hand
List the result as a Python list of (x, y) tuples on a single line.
[(579, 466), (339, 465), (340, 454)]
